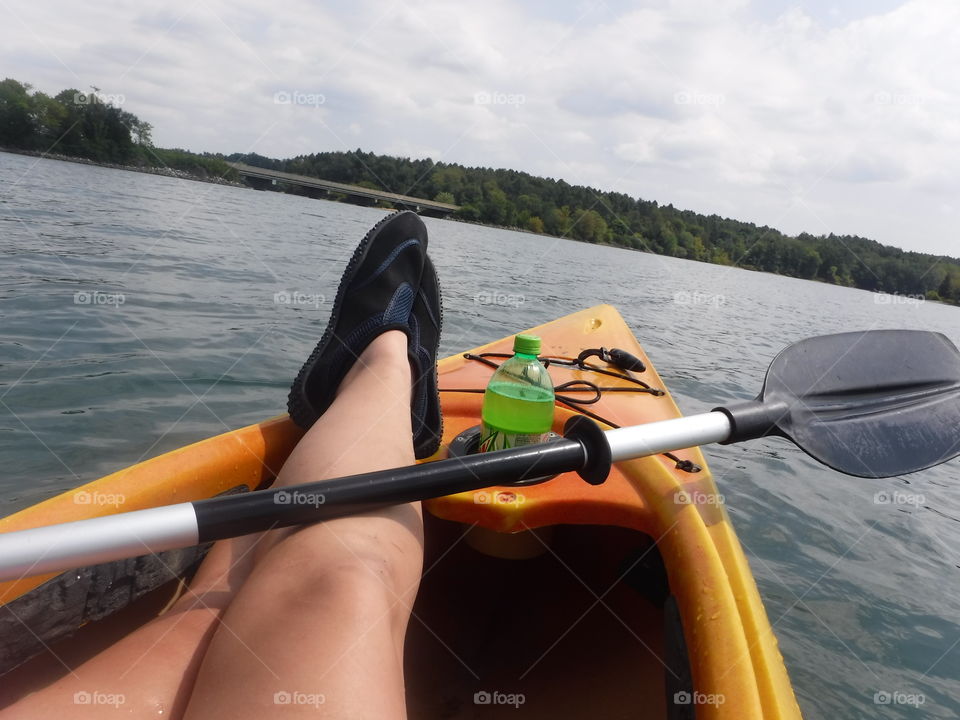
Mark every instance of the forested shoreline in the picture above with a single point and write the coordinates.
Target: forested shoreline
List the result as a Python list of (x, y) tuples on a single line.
[(509, 198), (92, 126)]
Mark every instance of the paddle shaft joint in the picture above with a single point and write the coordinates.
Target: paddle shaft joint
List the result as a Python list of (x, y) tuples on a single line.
[(753, 419)]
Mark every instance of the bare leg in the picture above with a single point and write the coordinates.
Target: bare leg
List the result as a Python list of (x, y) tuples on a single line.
[(326, 611), (150, 672), (319, 624), (319, 611)]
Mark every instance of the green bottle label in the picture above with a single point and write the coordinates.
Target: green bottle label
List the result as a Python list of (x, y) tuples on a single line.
[(493, 438)]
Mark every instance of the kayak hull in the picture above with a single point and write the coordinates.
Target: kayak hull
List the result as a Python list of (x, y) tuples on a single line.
[(640, 579)]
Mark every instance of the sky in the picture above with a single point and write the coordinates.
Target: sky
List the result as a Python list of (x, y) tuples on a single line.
[(816, 117)]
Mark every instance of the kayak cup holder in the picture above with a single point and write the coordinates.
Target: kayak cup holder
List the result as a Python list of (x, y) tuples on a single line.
[(523, 545), (468, 443)]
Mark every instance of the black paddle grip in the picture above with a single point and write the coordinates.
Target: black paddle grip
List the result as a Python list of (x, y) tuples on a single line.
[(224, 517)]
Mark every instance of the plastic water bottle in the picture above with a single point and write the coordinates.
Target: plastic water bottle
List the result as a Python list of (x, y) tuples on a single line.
[(518, 402)]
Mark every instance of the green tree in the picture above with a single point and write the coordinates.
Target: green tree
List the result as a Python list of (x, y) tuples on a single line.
[(558, 221), (49, 117), (808, 263), (589, 226), (718, 256), (17, 124), (530, 204), (140, 130), (667, 241), (448, 178), (949, 289), (496, 208)]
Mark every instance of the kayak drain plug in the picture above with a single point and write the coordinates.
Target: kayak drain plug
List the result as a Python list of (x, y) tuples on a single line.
[(596, 449)]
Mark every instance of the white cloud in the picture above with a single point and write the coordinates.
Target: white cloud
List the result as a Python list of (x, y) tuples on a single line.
[(806, 122)]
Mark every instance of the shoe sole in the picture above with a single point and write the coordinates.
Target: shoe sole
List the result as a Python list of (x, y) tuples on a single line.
[(436, 372)]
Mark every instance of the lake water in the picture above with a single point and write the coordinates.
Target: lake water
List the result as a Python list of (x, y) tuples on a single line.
[(140, 313)]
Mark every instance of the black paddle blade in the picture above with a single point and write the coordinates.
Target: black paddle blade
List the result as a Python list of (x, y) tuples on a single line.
[(872, 404)]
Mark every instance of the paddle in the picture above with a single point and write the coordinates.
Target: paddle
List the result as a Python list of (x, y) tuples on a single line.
[(871, 404)]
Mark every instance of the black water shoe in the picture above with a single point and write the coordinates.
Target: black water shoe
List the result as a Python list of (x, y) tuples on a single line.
[(380, 291), (426, 321)]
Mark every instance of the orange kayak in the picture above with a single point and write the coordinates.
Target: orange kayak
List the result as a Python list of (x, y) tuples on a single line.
[(559, 599)]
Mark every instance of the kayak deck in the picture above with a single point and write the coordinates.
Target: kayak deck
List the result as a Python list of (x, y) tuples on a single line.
[(574, 630)]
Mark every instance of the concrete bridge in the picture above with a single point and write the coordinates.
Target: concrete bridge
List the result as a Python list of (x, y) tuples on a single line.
[(261, 179)]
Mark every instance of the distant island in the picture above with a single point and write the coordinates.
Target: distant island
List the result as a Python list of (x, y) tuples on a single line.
[(88, 125)]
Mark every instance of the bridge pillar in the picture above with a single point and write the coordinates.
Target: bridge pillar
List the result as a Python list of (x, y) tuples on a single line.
[(260, 183)]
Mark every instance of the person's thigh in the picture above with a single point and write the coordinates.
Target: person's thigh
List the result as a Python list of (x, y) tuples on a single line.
[(150, 672), (318, 627)]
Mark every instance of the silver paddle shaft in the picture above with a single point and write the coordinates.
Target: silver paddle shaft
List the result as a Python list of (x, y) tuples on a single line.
[(60, 547)]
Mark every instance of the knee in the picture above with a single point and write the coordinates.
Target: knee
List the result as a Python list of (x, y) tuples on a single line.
[(348, 560), (349, 590)]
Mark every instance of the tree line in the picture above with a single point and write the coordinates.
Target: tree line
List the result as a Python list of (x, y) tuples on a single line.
[(516, 199), (90, 125)]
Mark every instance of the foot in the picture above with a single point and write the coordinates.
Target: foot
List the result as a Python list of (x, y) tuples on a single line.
[(380, 291)]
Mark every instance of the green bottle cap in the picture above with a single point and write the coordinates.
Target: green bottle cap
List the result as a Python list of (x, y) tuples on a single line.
[(526, 344)]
